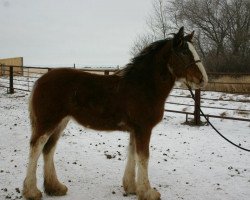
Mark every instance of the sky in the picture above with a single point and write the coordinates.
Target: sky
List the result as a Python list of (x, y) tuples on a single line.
[(64, 32)]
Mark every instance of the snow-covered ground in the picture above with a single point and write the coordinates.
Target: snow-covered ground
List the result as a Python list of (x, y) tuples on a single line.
[(191, 163)]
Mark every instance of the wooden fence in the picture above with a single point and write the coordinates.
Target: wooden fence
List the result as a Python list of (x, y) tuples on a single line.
[(24, 82)]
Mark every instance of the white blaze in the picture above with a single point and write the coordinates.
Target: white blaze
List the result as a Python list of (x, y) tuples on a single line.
[(199, 64)]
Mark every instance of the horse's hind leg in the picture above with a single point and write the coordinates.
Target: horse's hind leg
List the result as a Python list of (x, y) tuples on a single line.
[(129, 174), (52, 185), (30, 190)]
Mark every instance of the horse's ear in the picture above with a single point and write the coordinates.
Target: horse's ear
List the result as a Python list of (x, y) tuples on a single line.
[(179, 37), (189, 37), (181, 32)]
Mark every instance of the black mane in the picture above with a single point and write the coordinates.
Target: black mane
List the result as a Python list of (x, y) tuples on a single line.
[(148, 51), (144, 57)]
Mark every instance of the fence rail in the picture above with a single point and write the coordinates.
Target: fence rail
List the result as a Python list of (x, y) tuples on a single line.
[(23, 81)]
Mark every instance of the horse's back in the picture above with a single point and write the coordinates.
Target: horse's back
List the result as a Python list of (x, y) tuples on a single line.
[(60, 83)]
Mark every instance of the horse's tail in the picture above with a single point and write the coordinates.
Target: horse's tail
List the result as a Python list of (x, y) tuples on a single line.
[(32, 113)]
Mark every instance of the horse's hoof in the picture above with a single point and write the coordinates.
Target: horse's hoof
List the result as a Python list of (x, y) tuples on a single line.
[(57, 189), (32, 195), (129, 187), (151, 194)]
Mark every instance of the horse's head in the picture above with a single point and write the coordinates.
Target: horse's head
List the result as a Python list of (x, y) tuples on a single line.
[(184, 62)]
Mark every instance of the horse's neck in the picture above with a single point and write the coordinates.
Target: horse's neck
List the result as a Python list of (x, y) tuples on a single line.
[(152, 74), (155, 79), (164, 81), (164, 78), (163, 73)]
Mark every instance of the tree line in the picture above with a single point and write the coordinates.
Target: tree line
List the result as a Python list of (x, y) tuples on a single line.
[(222, 30)]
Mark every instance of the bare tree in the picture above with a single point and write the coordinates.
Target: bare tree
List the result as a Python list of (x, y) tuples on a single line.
[(205, 15), (222, 29), (223, 34), (239, 33), (157, 26), (158, 21), (141, 42)]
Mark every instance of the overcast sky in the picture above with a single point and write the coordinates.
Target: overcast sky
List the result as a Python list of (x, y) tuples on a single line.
[(63, 32)]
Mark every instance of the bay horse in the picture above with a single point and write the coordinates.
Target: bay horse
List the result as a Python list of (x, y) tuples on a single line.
[(131, 100)]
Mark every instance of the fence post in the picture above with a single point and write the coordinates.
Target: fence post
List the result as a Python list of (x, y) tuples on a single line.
[(28, 79), (11, 86), (197, 116)]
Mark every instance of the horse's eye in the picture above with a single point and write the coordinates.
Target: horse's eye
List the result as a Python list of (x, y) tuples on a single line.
[(185, 52)]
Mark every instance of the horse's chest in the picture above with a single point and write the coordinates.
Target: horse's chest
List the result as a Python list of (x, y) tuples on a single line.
[(145, 114)]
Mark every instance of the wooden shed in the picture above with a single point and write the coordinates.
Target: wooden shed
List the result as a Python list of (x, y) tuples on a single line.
[(17, 64)]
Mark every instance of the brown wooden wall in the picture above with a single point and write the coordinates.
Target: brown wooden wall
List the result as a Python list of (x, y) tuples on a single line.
[(6, 62)]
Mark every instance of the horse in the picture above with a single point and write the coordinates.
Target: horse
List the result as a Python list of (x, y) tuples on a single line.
[(131, 100)]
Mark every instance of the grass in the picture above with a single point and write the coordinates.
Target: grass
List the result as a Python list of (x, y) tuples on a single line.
[(242, 113), (227, 83)]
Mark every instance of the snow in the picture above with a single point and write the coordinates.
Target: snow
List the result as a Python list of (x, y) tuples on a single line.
[(185, 162)]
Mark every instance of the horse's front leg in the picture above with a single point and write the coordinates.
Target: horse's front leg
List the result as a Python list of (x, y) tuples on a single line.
[(144, 190), (129, 174)]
